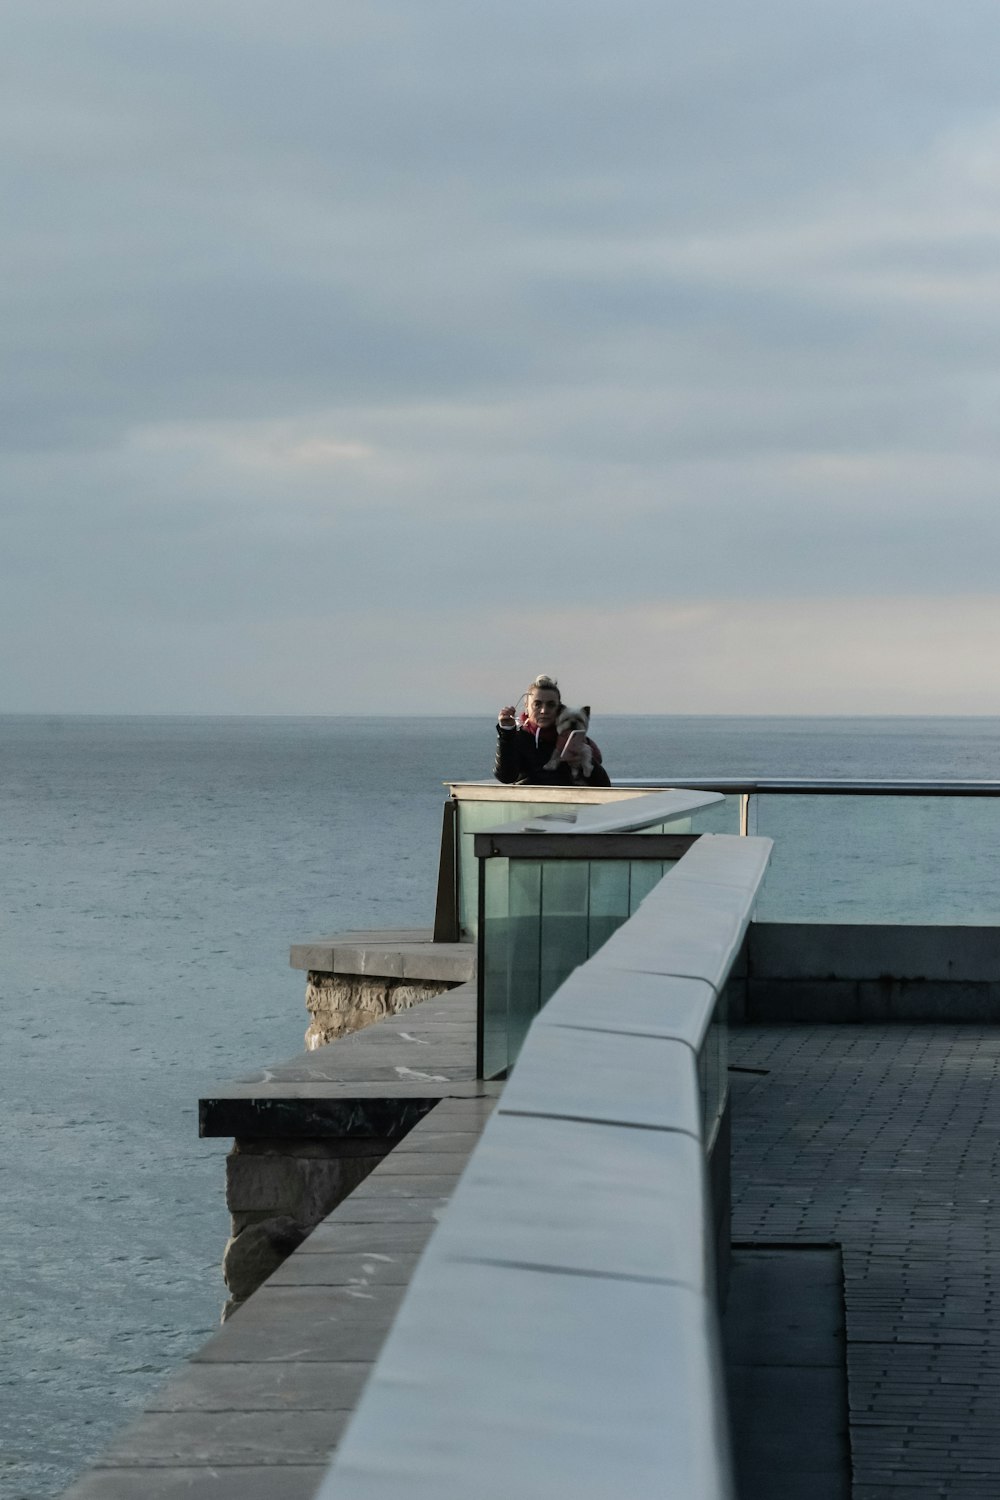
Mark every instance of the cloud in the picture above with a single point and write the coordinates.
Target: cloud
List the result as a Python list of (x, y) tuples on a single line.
[(531, 309)]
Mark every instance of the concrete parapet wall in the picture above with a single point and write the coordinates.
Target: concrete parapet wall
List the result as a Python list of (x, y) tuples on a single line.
[(837, 972)]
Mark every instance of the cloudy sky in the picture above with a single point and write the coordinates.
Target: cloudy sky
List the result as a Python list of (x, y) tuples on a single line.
[(363, 356)]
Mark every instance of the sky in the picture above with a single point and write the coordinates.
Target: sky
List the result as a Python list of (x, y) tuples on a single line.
[(373, 357)]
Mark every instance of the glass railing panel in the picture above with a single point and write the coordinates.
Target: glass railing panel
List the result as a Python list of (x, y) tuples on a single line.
[(495, 960), (525, 945), (476, 816), (473, 818), (719, 817), (609, 900), (542, 919), (644, 874), (880, 859), (565, 917)]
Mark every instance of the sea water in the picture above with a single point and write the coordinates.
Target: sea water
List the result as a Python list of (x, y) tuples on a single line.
[(154, 873)]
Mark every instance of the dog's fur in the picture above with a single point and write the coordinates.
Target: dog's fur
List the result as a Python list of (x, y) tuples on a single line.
[(568, 720)]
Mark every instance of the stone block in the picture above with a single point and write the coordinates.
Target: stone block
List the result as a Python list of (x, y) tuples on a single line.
[(306, 1187), (257, 1251), (339, 1004)]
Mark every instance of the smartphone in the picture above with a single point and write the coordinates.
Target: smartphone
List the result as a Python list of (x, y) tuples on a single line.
[(571, 743)]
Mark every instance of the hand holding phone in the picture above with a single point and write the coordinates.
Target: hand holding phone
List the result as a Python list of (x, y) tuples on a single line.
[(573, 746)]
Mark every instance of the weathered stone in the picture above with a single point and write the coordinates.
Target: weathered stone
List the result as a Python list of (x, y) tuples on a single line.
[(252, 1255), (342, 1003), (277, 1190), (302, 1179)]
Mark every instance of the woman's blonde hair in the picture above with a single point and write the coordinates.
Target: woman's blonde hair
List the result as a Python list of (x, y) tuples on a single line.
[(543, 680)]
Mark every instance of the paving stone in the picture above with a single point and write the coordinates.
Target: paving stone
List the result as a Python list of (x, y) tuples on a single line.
[(390, 1238), (280, 1386), (357, 1268), (170, 1439), (239, 1482), (307, 1323)]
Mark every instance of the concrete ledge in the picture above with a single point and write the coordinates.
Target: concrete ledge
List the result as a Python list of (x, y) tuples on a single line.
[(373, 1084), (385, 958)]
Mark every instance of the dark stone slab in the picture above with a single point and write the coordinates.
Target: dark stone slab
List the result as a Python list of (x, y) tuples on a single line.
[(376, 1117), (786, 1306), (783, 1335), (377, 1111)]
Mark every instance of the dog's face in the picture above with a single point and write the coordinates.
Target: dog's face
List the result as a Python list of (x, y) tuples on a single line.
[(573, 718)]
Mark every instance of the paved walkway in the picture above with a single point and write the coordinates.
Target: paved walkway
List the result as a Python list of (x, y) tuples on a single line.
[(886, 1140)]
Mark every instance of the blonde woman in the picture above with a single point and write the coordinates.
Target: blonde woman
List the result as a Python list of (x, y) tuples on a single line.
[(526, 742)]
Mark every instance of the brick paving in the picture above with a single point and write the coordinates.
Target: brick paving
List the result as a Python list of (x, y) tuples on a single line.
[(886, 1140)]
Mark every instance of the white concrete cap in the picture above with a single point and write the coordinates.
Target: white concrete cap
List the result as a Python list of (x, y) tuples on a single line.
[(471, 1397), (590, 1075), (570, 1195), (726, 859), (699, 943), (637, 1004)]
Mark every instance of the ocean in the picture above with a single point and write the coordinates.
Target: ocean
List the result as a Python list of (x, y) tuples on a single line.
[(154, 873)]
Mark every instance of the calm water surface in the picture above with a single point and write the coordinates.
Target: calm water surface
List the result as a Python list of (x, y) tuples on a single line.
[(154, 873)]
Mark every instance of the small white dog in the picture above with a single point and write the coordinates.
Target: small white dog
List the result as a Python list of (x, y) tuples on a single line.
[(570, 720)]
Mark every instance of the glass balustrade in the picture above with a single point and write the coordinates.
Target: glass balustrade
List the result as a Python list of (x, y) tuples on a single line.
[(542, 918), (888, 859), (492, 807), (892, 856)]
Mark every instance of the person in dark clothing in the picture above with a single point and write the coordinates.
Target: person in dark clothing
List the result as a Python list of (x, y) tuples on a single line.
[(525, 744)]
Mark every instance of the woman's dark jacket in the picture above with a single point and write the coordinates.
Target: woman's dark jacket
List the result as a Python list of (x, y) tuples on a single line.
[(520, 759)]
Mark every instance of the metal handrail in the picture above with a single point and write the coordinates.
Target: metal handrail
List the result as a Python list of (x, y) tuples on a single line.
[(832, 787), (793, 785)]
